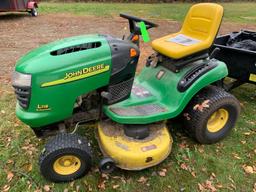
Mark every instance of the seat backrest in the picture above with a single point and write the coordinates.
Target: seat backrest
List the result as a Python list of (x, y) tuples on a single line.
[(203, 21)]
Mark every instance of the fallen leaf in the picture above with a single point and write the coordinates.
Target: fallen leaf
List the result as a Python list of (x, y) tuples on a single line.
[(218, 185), (102, 185), (247, 133), (200, 107), (16, 125), (29, 167), (201, 149), (10, 161), (248, 169), (6, 188), (207, 186), (235, 155), (210, 186), (72, 184), (9, 177), (204, 169), (162, 173), (193, 174), (213, 176), (47, 188), (115, 186), (142, 179), (184, 166), (232, 187), (183, 145), (201, 187), (105, 176), (77, 188), (230, 179), (29, 184)]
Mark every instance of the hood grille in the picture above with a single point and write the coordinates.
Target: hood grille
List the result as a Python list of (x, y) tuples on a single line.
[(23, 95), (76, 48)]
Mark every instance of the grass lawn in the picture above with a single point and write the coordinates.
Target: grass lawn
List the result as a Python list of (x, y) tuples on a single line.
[(229, 165), (234, 12), (221, 166)]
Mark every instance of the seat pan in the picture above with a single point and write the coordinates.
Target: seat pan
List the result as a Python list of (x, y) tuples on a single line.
[(174, 50), (197, 34)]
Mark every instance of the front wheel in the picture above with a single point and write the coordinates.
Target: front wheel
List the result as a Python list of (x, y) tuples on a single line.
[(211, 114), (34, 12), (66, 157)]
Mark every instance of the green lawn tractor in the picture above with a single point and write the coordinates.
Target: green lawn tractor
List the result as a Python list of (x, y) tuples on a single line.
[(91, 78)]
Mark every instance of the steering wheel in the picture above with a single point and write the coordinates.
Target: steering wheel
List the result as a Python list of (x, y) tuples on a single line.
[(133, 20)]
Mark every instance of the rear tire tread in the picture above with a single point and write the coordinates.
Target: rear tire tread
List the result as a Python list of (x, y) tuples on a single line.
[(194, 118)]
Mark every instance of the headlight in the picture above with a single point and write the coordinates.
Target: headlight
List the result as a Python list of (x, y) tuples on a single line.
[(21, 80)]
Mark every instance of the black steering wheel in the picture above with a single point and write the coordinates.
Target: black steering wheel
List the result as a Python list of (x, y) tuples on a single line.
[(133, 20)]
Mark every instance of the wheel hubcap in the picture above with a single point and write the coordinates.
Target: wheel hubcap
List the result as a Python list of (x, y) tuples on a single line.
[(217, 120), (67, 164)]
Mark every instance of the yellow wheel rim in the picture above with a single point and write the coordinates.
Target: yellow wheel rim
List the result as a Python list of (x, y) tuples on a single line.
[(67, 165), (217, 120)]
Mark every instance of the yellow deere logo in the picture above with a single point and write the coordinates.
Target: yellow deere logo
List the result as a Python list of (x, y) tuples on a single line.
[(80, 74)]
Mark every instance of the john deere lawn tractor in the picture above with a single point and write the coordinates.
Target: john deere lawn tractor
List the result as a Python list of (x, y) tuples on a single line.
[(77, 80)]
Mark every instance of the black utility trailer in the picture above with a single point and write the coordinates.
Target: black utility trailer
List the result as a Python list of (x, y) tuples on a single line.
[(238, 51)]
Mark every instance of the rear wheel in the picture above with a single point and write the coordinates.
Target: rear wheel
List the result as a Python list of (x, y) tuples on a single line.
[(211, 114), (66, 157)]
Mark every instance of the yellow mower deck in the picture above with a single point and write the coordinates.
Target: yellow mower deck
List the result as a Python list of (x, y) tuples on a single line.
[(133, 154)]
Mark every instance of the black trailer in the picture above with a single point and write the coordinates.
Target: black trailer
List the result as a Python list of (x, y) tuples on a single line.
[(238, 51)]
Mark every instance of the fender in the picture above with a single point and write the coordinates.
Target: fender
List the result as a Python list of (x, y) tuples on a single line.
[(168, 93)]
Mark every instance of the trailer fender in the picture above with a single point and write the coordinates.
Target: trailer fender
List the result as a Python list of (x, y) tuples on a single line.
[(32, 4)]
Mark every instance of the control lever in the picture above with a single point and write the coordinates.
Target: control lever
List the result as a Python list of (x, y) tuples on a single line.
[(214, 53)]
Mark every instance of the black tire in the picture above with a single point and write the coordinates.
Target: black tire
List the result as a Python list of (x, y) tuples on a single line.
[(197, 119), (65, 145), (34, 12)]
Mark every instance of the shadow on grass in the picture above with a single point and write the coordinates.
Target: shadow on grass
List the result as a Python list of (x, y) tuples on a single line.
[(7, 16)]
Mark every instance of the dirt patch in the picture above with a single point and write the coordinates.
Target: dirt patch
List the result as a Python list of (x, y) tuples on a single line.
[(20, 33)]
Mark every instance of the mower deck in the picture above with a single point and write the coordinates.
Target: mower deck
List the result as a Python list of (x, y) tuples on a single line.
[(134, 154)]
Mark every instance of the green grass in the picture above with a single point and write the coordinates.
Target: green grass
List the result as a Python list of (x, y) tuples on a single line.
[(234, 12), (20, 149)]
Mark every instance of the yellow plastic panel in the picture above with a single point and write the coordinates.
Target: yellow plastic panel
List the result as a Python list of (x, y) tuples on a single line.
[(202, 23), (252, 77), (134, 154)]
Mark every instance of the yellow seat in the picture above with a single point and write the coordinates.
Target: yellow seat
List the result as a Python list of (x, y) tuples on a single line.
[(197, 34)]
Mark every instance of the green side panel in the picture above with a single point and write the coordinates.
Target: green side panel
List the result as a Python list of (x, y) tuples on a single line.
[(163, 93), (60, 98)]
